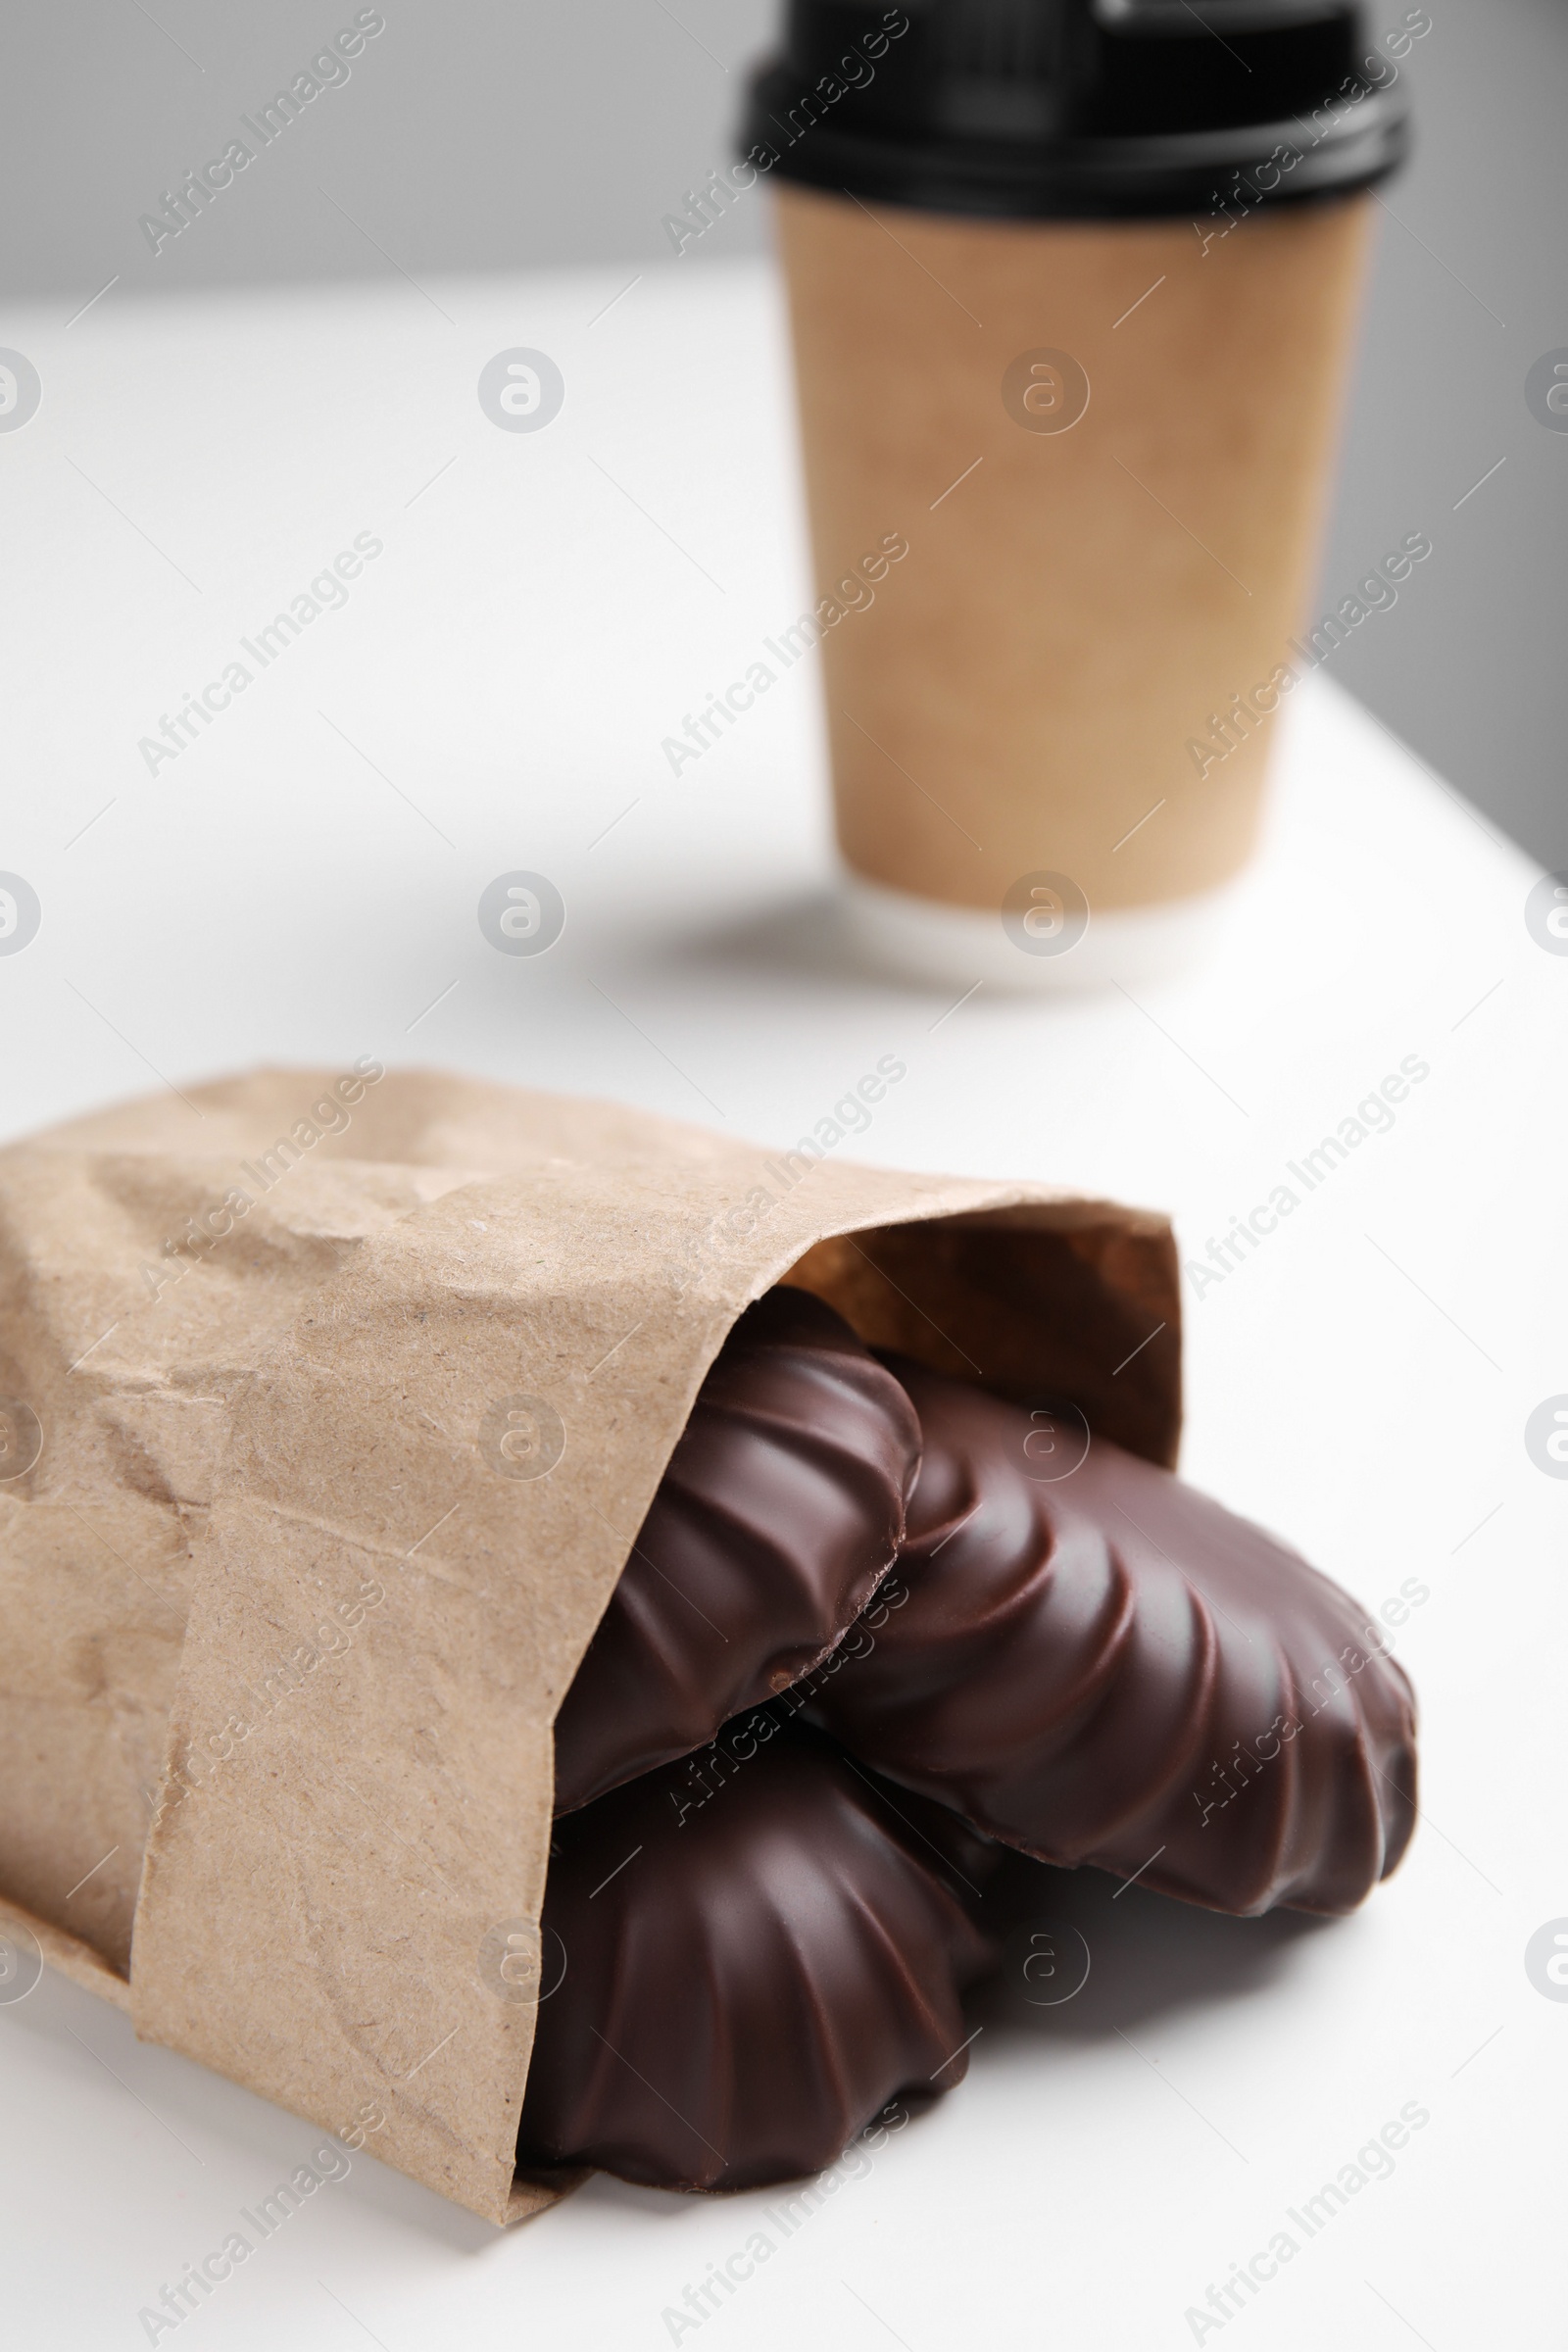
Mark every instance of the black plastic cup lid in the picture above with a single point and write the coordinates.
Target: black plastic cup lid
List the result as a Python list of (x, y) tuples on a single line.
[(1107, 108)]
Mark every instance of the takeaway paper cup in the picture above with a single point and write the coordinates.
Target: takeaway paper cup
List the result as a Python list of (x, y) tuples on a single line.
[(1080, 354)]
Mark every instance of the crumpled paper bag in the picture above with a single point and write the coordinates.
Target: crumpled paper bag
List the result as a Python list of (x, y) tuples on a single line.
[(330, 1404)]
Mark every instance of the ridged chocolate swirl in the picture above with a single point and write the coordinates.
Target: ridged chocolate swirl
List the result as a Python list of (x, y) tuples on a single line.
[(735, 1986), (1110, 1668), (780, 1511)]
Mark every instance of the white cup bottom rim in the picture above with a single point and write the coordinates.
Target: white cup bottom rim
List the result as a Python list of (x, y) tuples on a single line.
[(930, 941)]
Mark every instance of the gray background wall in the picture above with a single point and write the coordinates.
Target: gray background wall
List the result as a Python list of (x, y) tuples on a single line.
[(515, 133)]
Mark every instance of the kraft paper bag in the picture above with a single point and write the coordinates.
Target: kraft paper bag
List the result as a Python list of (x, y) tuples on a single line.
[(330, 1404)]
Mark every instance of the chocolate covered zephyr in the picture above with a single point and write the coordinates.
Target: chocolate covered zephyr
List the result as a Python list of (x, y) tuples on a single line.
[(735, 1986), (781, 1508), (1108, 1667)]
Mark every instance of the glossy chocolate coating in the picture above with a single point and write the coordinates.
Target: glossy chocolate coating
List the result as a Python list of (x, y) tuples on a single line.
[(747, 1981), (781, 1508), (1110, 1668)]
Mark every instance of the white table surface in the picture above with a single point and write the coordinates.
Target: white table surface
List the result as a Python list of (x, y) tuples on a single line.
[(302, 883)]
